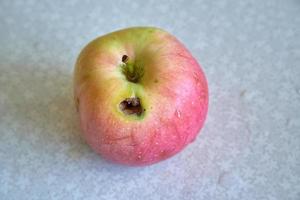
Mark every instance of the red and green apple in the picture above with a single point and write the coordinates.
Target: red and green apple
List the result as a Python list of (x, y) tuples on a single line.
[(141, 95)]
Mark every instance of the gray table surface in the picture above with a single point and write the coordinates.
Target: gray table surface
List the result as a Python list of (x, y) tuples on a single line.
[(248, 149)]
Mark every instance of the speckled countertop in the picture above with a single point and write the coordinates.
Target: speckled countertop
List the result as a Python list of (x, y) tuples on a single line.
[(250, 145)]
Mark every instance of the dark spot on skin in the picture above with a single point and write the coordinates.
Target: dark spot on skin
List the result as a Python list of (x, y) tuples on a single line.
[(155, 81), (124, 58)]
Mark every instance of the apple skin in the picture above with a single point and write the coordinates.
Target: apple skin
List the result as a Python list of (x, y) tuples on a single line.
[(173, 93)]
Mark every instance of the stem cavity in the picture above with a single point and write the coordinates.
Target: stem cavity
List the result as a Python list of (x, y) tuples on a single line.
[(132, 70)]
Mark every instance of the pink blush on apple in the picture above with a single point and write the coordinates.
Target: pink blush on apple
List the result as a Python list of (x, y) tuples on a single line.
[(141, 96)]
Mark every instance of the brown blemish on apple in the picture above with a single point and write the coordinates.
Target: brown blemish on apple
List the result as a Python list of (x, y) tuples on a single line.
[(131, 106)]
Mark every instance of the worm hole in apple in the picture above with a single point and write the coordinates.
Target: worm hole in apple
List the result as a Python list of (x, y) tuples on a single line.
[(131, 106)]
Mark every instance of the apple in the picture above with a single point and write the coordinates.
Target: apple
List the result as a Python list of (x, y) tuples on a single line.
[(141, 96)]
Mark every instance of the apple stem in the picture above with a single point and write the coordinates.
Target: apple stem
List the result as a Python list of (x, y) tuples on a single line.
[(132, 71), (130, 68)]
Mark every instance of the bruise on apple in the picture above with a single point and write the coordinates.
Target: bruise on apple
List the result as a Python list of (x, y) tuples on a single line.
[(131, 106)]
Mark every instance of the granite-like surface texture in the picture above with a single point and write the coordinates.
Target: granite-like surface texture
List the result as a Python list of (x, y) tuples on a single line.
[(250, 145)]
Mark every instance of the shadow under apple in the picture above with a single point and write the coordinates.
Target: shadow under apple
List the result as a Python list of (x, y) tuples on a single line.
[(39, 108)]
